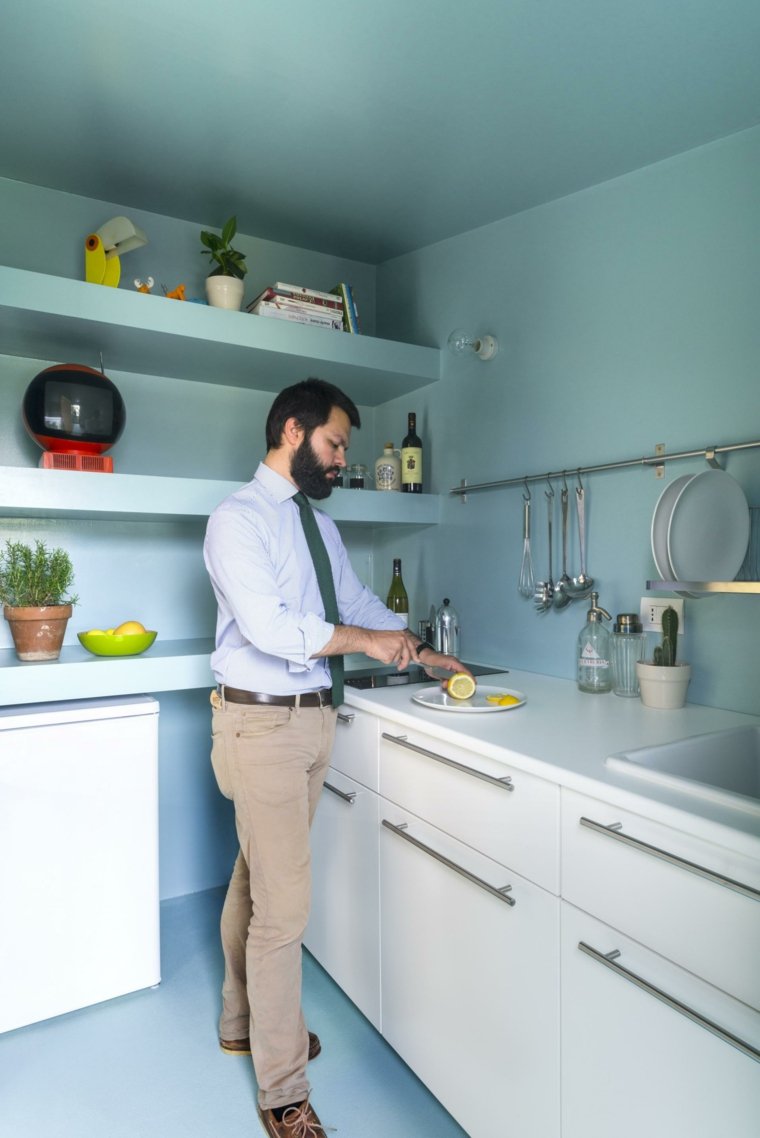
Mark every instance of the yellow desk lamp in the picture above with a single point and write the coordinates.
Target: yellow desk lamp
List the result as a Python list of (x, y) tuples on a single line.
[(103, 248)]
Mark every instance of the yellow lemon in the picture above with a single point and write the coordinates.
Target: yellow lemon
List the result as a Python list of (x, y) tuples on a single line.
[(503, 700), (461, 686), (96, 632), (109, 632), (129, 628)]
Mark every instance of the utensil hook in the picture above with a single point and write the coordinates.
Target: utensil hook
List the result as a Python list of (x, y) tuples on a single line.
[(550, 492), (527, 494), (564, 482), (578, 476)]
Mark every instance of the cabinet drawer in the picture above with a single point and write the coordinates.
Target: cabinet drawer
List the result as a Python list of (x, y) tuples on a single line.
[(509, 816), (355, 747), (694, 902), (647, 1048)]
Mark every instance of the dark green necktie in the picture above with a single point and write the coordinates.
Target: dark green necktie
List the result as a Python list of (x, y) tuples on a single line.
[(326, 584)]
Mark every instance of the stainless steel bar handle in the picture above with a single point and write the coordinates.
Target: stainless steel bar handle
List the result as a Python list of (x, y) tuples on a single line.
[(613, 831), (349, 798), (505, 783), (501, 894), (609, 961), (346, 717)]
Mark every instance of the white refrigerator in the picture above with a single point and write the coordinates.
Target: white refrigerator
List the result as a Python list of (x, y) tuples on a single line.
[(79, 913)]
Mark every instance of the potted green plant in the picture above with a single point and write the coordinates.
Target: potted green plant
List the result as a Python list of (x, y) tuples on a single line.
[(224, 284), (35, 588), (663, 682)]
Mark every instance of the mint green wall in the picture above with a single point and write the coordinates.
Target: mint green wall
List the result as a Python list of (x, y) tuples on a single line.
[(627, 316)]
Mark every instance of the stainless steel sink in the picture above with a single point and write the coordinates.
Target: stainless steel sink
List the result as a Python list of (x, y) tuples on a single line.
[(723, 766)]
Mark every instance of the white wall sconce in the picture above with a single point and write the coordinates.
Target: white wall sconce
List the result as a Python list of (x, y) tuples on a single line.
[(485, 347)]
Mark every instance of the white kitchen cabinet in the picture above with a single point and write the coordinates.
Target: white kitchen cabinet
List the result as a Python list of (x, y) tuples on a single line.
[(634, 1065), (507, 814), (343, 933), (688, 899), (355, 751), (470, 979)]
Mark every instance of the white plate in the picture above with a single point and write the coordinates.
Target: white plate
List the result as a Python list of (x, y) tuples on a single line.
[(438, 699), (709, 528), (660, 523)]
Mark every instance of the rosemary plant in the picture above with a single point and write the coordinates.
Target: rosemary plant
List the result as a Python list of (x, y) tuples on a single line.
[(33, 577)]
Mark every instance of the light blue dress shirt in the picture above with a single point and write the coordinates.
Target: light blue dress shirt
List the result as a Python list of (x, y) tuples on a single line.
[(271, 617)]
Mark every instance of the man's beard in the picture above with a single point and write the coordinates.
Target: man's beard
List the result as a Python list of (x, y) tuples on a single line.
[(309, 474)]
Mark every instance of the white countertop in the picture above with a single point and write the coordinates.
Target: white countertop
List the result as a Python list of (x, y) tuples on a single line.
[(564, 736)]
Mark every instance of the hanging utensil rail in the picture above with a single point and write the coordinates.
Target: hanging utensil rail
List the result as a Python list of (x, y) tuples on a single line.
[(709, 454)]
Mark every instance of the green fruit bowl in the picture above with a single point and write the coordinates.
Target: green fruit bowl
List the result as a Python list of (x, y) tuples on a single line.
[(108, 644)]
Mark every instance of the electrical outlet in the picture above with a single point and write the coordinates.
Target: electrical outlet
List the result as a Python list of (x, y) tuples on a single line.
[(652, 609)]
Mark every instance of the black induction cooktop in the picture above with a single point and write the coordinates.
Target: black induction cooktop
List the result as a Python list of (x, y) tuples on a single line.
[(386, 675)]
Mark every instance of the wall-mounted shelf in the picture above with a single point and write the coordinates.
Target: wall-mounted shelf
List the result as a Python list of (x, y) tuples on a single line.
[(55, 318), (31, 492), (170, 665), (704, 586)]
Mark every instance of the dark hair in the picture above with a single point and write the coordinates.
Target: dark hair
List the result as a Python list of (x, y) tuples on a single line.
[(311, 402)]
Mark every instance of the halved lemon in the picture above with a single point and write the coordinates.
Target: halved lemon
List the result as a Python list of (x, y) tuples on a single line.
[(503, 700), (461, 686)]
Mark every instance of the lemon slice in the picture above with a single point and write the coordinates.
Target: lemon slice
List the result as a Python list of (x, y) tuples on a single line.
[(461, 686), (503, 700)]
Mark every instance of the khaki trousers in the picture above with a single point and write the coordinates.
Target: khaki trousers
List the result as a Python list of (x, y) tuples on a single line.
[(271, 761)]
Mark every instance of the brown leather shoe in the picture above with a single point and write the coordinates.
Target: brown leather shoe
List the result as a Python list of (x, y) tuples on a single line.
[(243, 1046), (297, 1122)]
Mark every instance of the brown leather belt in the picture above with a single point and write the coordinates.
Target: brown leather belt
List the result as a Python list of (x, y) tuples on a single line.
[(320, 698)]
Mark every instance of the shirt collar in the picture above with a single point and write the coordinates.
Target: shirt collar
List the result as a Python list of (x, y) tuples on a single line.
[(280, 488)]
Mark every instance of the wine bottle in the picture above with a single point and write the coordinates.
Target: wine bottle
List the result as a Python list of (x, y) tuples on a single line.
[(411, 459), (398, 601)]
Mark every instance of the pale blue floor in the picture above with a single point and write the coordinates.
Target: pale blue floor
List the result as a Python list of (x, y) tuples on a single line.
[(148, 1065)]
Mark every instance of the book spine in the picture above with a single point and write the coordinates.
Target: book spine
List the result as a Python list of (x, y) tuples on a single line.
[(274, 293), (302, 291), (349, 314), (316, 320)]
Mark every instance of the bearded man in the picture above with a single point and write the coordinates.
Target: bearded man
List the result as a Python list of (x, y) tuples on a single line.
[(289, 607)]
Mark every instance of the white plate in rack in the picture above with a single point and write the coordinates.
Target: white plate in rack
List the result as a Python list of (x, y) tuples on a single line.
[(709, 528), (660, 523), (437, 699)]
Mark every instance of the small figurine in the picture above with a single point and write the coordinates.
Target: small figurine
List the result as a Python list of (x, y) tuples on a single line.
[(177, 293), (144, 286)]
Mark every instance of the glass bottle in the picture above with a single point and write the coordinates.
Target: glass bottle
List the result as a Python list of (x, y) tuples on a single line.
[(594, 651), (388, 469), (628, 647), (411, 458), (398, 601), (447, 629)]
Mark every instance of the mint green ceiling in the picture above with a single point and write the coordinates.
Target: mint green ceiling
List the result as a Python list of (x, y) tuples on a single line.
[(364, 128)]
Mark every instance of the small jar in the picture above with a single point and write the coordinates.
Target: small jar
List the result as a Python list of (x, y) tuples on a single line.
[(357, 476), (628, 644)]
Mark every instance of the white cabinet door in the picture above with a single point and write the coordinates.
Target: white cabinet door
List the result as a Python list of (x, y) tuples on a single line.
[(635, 1065), (470, 982), (343, 933)]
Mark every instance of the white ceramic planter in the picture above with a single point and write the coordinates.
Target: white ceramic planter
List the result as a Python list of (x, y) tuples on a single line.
[(664, 688), (225, 292)]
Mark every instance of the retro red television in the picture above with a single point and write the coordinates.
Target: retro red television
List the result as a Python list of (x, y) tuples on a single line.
[(75, 414)]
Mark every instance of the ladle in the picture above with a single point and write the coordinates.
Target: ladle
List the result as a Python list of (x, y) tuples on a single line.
[(562, 597), (581, 585), (545, 589)]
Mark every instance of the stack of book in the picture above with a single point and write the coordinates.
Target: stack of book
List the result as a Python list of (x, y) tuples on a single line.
[(302, 305)]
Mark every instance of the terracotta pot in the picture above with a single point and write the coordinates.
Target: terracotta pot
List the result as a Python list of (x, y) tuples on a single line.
[(38, 632), (225, 292), (663, 687)]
